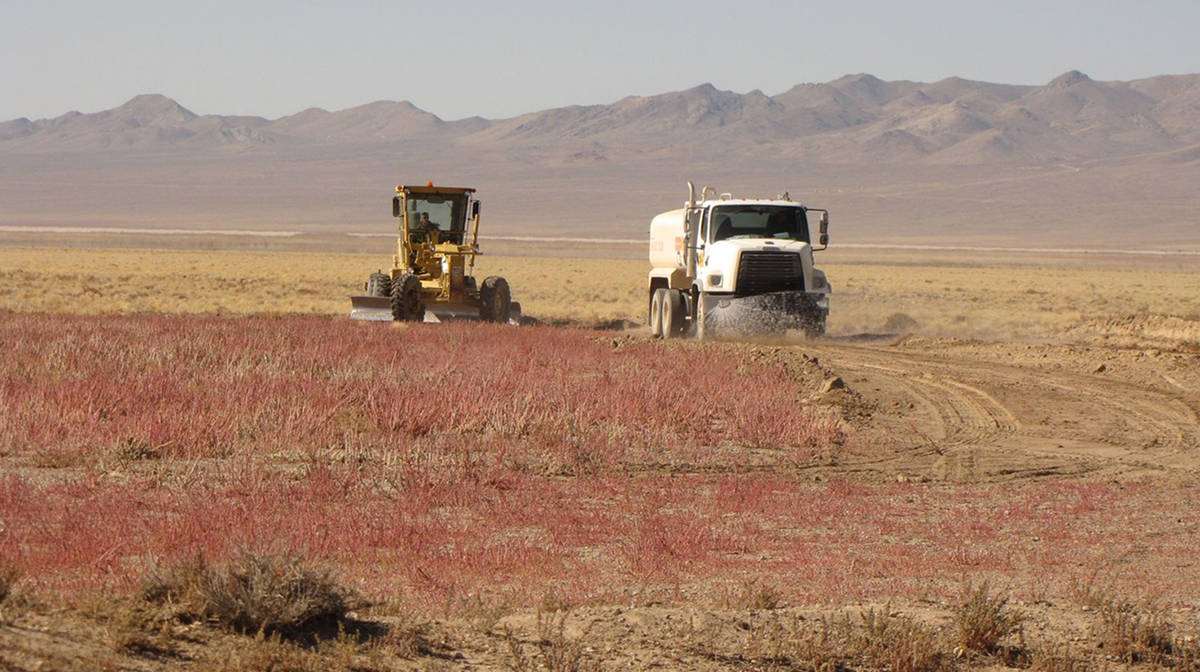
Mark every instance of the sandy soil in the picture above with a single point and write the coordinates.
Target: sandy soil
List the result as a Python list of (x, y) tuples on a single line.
[(971, 410)]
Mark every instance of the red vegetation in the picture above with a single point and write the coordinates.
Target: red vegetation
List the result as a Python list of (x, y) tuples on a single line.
[(448, 466)]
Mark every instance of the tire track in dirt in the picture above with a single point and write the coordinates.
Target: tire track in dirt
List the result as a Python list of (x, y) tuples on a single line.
[(1006, 420), (962, 419)]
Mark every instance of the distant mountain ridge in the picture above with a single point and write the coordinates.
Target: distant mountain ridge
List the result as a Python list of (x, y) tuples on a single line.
[(857, 118)]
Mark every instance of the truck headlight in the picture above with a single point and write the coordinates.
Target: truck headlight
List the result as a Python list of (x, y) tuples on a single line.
[(715, 280)]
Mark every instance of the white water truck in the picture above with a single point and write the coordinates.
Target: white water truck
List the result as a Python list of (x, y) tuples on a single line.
[(737, 265)]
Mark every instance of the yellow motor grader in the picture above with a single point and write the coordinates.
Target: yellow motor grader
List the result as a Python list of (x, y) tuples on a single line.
[(431, 279)]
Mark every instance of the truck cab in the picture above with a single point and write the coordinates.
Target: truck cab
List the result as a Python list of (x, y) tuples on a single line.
[(737, 264)]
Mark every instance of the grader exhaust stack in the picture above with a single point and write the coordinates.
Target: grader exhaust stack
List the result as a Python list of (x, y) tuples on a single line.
[(432, 274)]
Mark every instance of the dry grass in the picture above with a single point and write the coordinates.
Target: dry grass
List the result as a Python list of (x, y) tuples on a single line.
[(255, 593), (947, 294), (293, 609), (241, 283), (12, 601), (273, 653), (871, 640), (552, 649), (982, 620), (1136, 633)]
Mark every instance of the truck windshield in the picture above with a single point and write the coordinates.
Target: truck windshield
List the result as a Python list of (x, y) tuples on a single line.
[(785, 222), (444, 212)]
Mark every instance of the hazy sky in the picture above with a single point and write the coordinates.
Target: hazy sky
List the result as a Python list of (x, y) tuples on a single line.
[(499, 59)]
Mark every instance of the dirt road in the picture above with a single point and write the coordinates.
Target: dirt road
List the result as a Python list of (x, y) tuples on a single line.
[(965, 411)]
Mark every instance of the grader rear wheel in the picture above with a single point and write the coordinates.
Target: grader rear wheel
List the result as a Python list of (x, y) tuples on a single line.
[(379, 284)]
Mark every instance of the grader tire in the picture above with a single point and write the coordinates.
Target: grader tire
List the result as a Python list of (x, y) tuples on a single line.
[(407, 305), (379, 284), (495, 300)]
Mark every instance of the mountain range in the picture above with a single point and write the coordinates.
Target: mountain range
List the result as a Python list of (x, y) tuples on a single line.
[(851, 119), (948, 152)]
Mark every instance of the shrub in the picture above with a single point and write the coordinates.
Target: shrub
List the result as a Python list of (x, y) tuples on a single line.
[(875, 640), (898, 644), (1136, 633), (982, 620), (11, 602), (554, 651), (256, 593), (8, 581), (178, 586)]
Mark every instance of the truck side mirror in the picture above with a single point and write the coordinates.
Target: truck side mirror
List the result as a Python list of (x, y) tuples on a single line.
[(395, 206), (824, 240), (476, 206), (824, 226)]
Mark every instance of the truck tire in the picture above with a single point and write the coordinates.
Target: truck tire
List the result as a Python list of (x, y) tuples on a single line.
[(673, 322), (407, 305), (702, 330), (495, 301), (657, 299), (379, 284)]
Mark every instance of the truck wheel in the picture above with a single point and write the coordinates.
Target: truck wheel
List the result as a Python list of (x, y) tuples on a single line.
[(379, 284), (673, 322), (495, 301), (656, 312), (407, 305)]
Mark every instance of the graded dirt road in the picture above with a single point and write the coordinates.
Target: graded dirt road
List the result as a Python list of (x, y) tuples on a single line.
[(968, 411)]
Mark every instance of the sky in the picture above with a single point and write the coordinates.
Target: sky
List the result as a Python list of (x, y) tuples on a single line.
[(273, 58)]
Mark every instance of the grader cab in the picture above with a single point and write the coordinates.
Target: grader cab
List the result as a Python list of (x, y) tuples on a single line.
[(432, 274)]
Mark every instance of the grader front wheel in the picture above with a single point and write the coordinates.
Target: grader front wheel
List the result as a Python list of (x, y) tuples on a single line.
[(407, 305), (495, 300)]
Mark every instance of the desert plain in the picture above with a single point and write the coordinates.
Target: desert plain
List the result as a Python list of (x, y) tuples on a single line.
[(989, 461)]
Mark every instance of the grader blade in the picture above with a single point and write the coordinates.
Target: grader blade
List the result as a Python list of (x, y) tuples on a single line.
[(371, 308)]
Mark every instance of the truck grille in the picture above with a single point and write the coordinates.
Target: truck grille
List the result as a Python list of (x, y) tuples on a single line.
[(761, 272)]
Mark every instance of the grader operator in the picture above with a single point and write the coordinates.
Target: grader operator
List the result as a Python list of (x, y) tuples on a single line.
[(431, 278)]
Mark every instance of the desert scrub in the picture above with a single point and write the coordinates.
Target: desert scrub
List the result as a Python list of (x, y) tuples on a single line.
[(1137, 632), (256, 593), (552, 649), (982, 620), (12, 602), (872, 640)]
